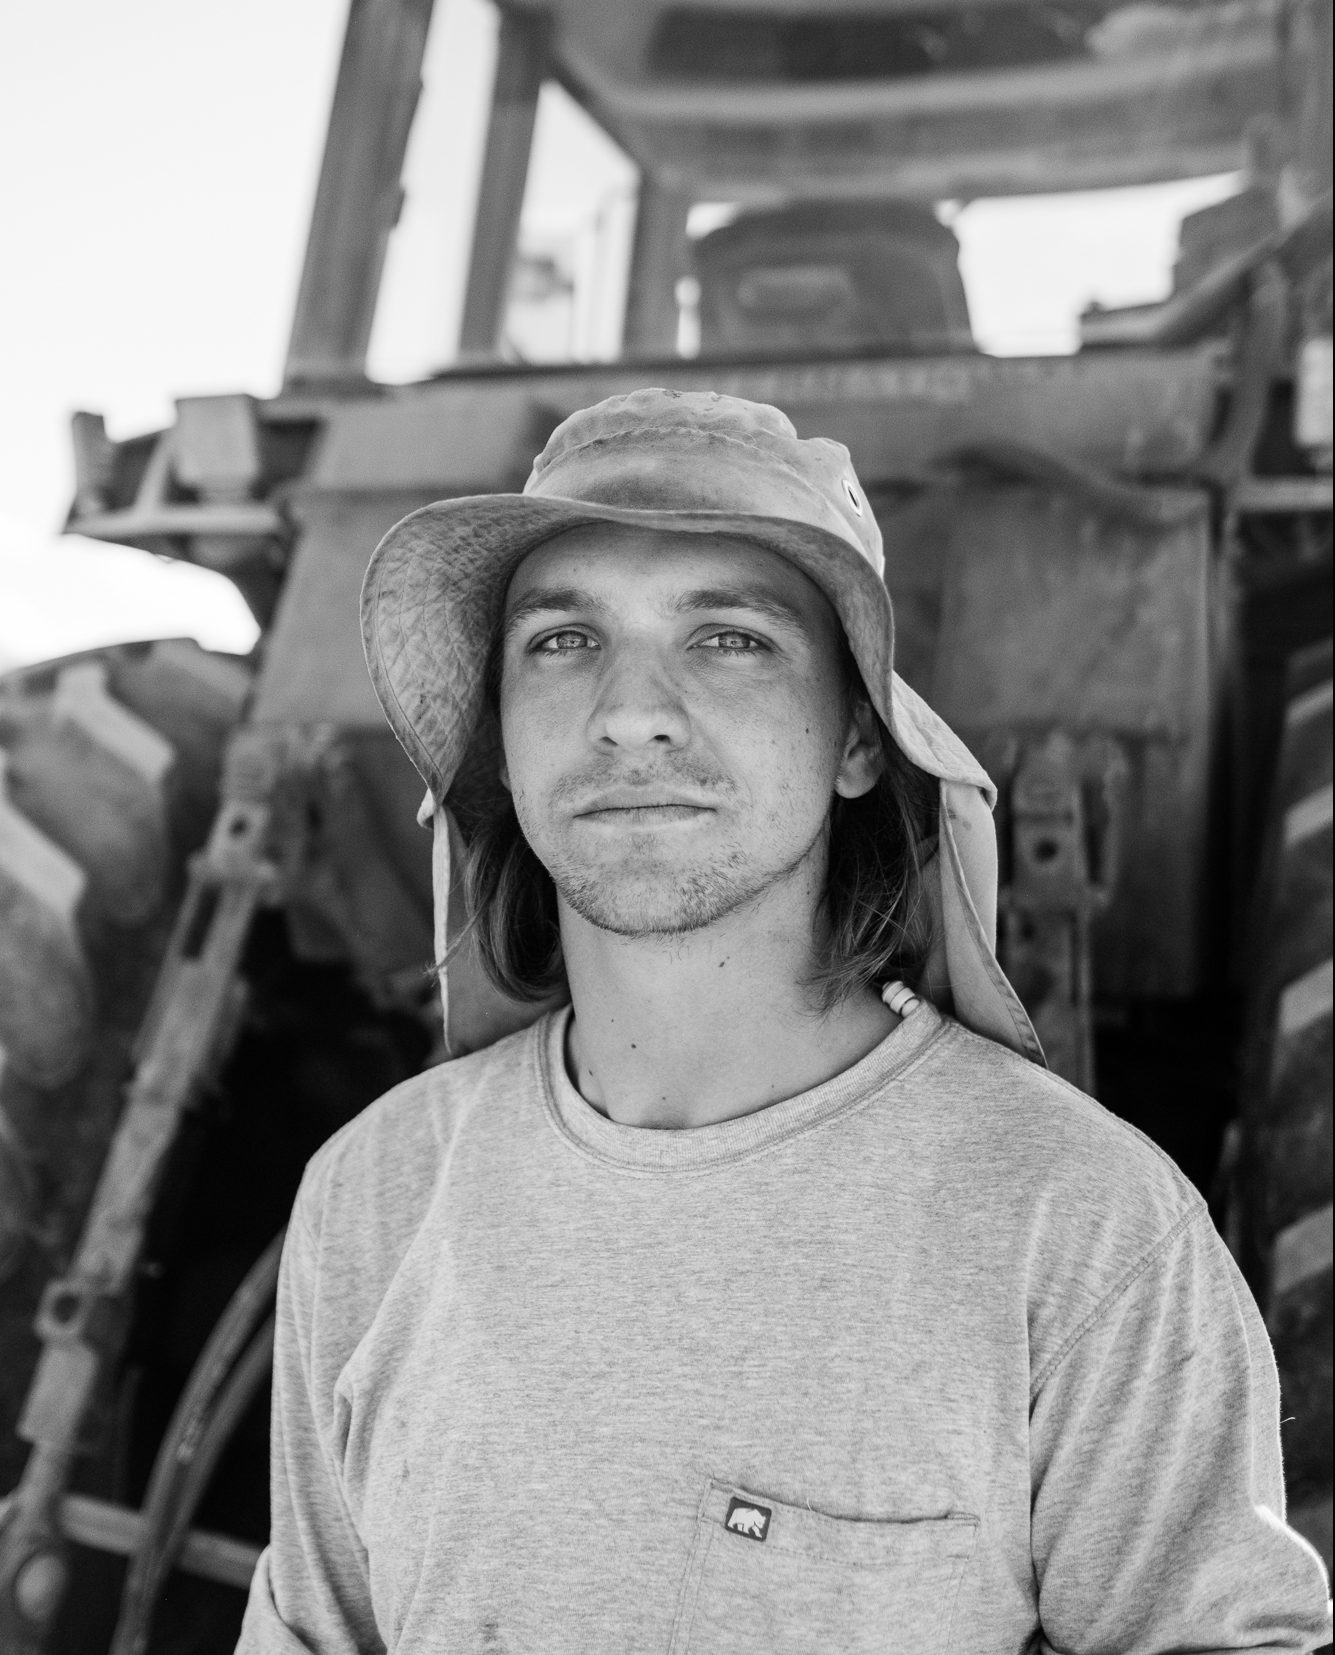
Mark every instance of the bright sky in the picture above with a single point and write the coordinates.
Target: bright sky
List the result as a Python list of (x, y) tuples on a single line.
[(160, 163)]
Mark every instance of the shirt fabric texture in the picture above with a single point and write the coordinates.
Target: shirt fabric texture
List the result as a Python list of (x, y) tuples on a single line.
[(938, 1356)]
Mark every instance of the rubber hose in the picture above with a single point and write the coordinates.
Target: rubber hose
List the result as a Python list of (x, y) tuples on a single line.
[(161, 1544), (251, 1301), (1009, 460)]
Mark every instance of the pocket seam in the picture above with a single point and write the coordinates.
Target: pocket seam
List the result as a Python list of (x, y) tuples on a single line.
[(951, 1608), (707, 1527), (696, 1560), (851, 1562), (806, 1540)]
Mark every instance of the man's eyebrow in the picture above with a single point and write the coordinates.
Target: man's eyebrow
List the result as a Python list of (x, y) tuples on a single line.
[(544, 600), (756, 598), (547, 599)]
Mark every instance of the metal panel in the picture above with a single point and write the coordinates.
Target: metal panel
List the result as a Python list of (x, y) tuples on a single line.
[(1134, 413), (1020, 613), (314, 671), (1055, 615)]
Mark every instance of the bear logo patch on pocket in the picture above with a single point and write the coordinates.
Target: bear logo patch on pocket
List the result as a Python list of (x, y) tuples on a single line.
[(748, 1519)]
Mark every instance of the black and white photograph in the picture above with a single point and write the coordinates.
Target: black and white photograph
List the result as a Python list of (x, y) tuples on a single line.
[(666, 827)]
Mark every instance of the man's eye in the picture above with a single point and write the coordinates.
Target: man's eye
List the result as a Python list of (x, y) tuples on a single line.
[(733, 643), (563, 643)]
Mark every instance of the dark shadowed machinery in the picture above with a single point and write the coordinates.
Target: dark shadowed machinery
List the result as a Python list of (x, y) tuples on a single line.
[(1111, 573)]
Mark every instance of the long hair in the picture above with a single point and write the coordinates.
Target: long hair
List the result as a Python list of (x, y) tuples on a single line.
[(877, 926), (877, 922)]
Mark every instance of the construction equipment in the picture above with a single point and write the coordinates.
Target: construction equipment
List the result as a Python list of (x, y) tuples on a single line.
[(1111, 573)]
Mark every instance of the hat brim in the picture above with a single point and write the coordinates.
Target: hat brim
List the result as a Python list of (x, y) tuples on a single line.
[(435, 590)]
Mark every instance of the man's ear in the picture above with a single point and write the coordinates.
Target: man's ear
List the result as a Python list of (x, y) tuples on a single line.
[(863, 760)]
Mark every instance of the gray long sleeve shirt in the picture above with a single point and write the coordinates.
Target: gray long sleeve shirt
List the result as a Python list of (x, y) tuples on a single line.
[(940, 1356)]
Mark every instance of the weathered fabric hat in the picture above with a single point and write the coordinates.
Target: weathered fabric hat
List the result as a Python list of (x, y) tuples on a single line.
[(696, 463)]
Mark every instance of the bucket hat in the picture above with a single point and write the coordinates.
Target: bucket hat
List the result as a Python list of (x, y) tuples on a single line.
[(692, 462)]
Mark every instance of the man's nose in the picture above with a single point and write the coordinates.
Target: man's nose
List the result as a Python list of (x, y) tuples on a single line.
[(638, 704)]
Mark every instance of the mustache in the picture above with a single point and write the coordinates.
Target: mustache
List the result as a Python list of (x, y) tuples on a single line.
[(679, 778)]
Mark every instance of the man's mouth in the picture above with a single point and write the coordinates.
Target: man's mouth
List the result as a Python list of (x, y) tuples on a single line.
[(644, 815), (637, 806)]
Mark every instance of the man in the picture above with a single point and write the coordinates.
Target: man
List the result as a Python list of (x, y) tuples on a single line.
[(743, 1302)]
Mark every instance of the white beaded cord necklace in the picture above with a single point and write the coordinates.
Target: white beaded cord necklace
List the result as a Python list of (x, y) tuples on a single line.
[(900, 998)]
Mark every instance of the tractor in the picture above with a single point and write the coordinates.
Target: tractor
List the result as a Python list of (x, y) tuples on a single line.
[(1111, 571)]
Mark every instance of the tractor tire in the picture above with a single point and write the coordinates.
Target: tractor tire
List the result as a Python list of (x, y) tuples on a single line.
[(1285, 1230), (109, 765), (109, 777)]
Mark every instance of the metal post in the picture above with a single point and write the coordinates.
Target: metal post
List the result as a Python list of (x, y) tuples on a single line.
[(191, 1024), (359, 194), (1308, 84), (658, 258), (521, 59)]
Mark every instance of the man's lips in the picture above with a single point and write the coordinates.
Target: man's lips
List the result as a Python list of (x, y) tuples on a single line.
[(642, 808), (644, 815), (636, 800)]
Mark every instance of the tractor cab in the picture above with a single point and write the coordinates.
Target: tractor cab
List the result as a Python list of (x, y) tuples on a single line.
[(1111, 574)]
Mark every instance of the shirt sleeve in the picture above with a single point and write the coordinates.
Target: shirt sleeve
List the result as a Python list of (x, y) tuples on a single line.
[(1158, 1493), (310, 1593)]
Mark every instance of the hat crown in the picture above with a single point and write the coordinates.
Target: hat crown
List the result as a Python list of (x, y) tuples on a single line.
[(700, 450), (653, 413)]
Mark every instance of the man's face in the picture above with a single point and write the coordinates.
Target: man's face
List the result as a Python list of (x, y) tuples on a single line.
[(675, 723)]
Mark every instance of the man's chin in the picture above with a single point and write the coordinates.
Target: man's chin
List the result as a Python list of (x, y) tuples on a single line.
[(669, 907)]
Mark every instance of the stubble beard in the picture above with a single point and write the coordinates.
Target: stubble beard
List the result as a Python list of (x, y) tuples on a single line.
[(665, 901), (644, 893), (636, 904)]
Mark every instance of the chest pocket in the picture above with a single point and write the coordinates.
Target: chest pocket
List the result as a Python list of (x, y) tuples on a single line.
[(766, 1578)]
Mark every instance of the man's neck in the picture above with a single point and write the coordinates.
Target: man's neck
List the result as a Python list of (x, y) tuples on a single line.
[(698, 1028)]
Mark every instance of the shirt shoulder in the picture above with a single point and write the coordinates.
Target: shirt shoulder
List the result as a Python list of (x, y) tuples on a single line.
[(1045, 1134), (369, 1188), (1040, 1178)]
